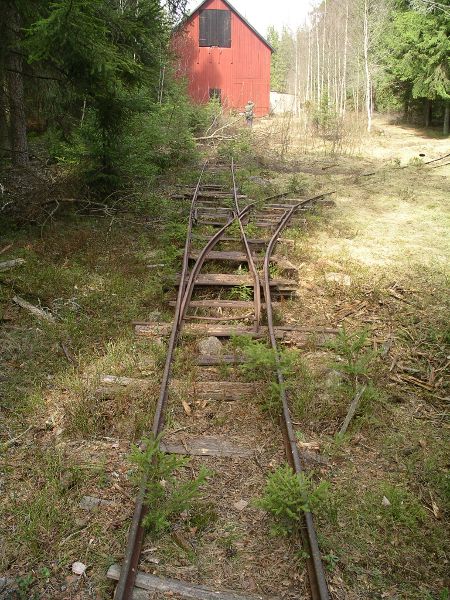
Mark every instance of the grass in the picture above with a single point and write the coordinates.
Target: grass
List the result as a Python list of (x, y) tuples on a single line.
[(388, 233), (385, 523), (72, 436), (391, 238)]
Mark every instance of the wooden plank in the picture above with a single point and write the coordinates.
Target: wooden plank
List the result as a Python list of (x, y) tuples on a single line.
[(212, 223), (231, 280), (231, 256), (206, 446), (214, 209), (174, 587), (207, 360), (299, 336), (213, 195), (251, 241), (123, 381), (284, 265), (226, 391), (221, 304), (254, 242)]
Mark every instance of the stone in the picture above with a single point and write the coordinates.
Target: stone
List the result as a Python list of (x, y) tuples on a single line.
[(259, 180), (91, 502), (210, 346), (8, 588), (78, 568), (333, 379), (340, 278)]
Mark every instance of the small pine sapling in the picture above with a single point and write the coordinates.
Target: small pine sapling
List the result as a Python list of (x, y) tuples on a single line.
[(166, 496), (287, 496)]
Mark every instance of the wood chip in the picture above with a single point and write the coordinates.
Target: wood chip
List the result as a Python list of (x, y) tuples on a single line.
[(241, 504), (187, 408)]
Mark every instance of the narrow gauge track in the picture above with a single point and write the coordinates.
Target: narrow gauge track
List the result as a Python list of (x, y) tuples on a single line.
[(274, 217)]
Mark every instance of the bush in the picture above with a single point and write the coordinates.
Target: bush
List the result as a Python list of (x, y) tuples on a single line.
[(288, 496)]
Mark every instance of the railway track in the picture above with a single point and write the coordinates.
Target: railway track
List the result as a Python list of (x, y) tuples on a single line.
[(217, 237)]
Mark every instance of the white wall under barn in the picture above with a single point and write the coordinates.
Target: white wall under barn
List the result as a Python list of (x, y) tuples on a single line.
[(281, 103)]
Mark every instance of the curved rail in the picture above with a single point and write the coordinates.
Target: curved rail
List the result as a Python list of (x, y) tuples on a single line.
[(136, 533), (128, 572), (201, 259), (316, 573), (251, 262)]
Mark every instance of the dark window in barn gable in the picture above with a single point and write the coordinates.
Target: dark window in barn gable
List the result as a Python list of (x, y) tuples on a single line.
[(215, 28)]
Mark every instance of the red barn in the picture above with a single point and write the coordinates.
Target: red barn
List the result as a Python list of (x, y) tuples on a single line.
[(223, 56)]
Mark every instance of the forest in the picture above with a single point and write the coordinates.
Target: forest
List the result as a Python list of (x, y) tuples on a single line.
[(79, 78), (366, 57)]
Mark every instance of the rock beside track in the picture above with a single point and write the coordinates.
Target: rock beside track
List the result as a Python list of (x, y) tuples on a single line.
[(210, 345)]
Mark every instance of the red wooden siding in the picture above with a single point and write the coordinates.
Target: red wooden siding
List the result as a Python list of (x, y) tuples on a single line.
[(241, 72)]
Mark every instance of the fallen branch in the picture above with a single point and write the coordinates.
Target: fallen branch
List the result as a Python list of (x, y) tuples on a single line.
[(34, 310), (13, 440), (5, 248), (213, 135), (351, 411), (68, 354), (220, 138), (10, 264)]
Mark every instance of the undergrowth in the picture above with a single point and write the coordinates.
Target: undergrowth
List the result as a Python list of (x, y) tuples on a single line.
[(287, 496), (166, 495)]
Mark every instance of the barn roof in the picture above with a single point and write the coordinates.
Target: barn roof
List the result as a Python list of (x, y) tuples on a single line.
[(255, 31)]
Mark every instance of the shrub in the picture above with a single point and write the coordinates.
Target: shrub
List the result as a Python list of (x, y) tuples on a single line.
[(166, 496), (287, 496)]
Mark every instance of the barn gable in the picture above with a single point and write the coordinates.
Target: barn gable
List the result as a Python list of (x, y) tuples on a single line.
[(237, 13), (223, 55)]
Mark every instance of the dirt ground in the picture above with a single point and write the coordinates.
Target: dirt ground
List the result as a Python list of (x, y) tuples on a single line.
[(375, 266)]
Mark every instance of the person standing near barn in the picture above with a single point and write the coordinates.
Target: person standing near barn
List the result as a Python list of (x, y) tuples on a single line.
[(249, 113)]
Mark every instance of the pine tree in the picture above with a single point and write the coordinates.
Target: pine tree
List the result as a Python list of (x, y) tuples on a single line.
[(415, 55), (282, 58)]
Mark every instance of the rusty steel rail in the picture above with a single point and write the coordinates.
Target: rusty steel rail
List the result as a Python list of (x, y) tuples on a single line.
[(316, 572), (251, 262), (128, 572), (124, 589), (136, 533)]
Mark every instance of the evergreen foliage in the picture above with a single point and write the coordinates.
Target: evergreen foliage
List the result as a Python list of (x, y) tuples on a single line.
[(287, 496), (415, 49), (99, 84), (281, 59), (166, 496)]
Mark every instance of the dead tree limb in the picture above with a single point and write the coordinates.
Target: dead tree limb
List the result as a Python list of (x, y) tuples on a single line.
[(10, 264), (351, 411), (34, 310)]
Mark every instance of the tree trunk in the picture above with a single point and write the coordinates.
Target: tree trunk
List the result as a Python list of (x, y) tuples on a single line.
[(427, 112), (319, 91), (344, 75), (4, 138), (366, 68), (446, 119), (308, 72), (14, 79)]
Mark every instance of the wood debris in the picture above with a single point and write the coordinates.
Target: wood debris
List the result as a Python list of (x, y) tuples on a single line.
[(34, 310), (10, 264)]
